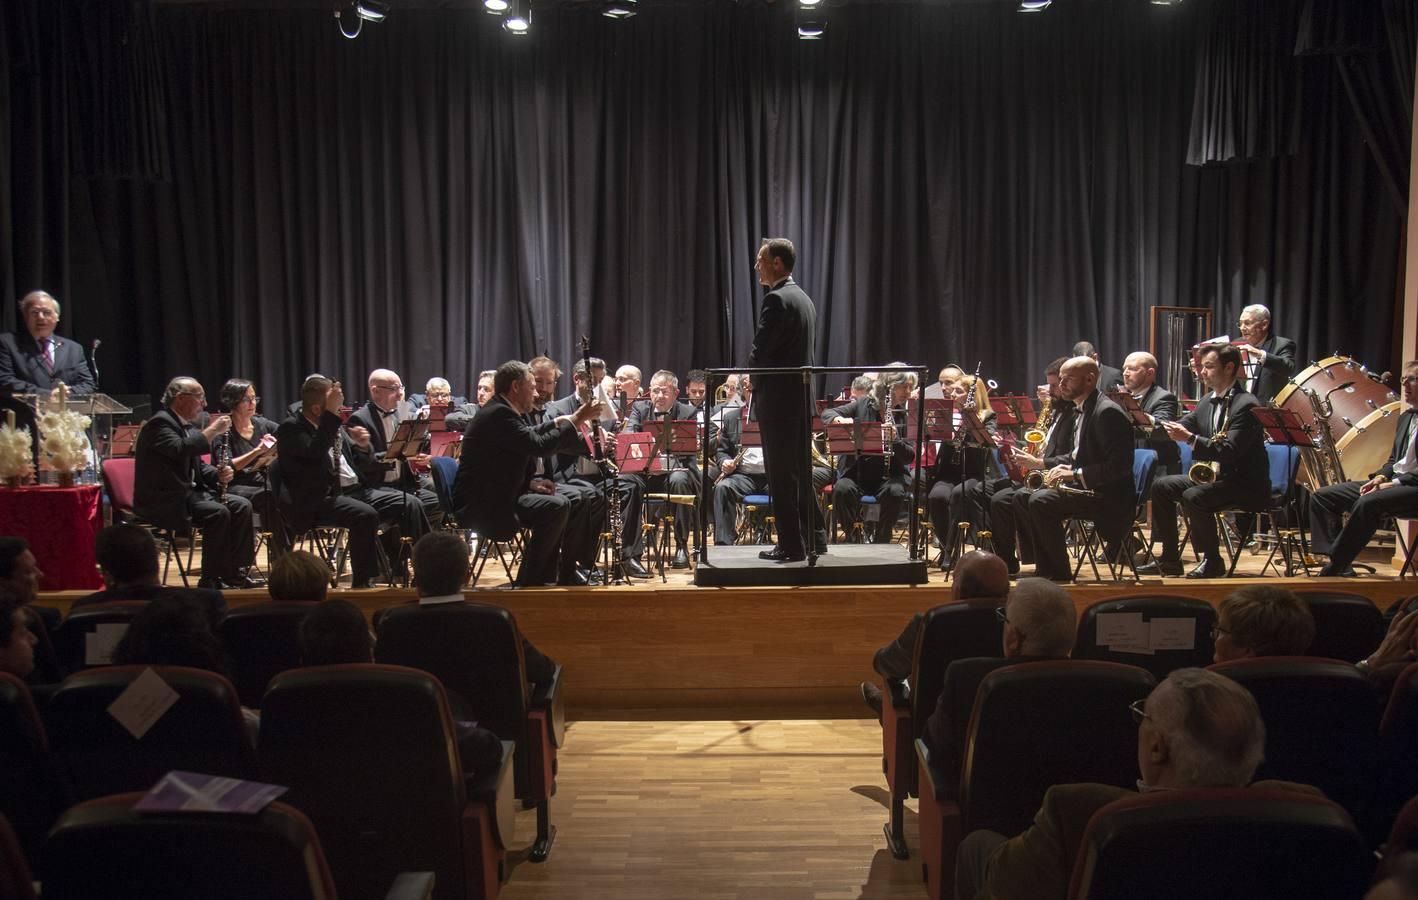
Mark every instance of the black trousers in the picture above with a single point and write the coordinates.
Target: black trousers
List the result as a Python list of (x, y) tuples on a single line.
[(629, 488), (1200, 503), (785, 432), (949, 503), (890, 494), (728, 494), (1049, 511), (547, 516), (362, 522), (678, 481), (583, 526), (228, 539), (1344, 541)]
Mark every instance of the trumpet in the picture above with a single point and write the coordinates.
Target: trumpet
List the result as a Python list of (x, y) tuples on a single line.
[(721, 393)]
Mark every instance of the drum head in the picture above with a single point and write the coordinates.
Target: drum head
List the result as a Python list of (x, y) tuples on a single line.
[(1365, 448)]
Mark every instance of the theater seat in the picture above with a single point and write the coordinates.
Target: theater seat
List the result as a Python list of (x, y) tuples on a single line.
[(1398, 749), (475, 651), (1321, 724), (16, 882), (370, 754), (31, 796), (203, 731), (262, 641), (1221, 843), (1151, 606), (948, 632), (1034, 725), (72, 637), (1347, 626)]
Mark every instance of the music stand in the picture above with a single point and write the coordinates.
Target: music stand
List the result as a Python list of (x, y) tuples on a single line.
[(1140, 417), (635, 453), (408, 439), (939, 420), (1283, 428), (1006, 413), (855, 438), (751, 435), (437, 417)]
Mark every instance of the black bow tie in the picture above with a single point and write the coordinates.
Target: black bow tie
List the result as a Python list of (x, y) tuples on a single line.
[(386, 413)]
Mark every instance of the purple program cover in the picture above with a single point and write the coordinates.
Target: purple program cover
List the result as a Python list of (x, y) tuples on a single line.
[(193, 792)]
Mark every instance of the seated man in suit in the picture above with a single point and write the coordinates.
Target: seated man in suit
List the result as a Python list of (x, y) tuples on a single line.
[(173, 488), (1393, 490), (35, 359), (316, 481), (980, 577), (1197, 729), (681, 473), (858, 476), (1009, 503), (495, 491), (393, 487), (1221, 429), (128, 561), (583, 523), (1101, 466), (1040, 623)]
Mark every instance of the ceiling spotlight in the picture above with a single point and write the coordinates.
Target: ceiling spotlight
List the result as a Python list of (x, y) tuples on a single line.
[(519, 17), (1166, 2), (371, 10), (352, 15), (808, 4), (812, 29), (1033, 6), (496, 7), (619, 9)]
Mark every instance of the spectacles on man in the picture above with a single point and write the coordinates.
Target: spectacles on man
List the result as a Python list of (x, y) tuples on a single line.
[(387, 387), (1217, 631), (1138, 708), (999, 614)]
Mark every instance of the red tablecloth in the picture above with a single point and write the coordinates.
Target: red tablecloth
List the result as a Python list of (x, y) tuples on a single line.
[(60, 524)]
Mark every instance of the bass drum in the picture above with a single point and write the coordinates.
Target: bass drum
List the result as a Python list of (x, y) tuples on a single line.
[(1366, 446), (1346, 384)]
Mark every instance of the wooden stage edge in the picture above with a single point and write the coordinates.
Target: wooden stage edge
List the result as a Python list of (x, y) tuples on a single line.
[(675, 652)]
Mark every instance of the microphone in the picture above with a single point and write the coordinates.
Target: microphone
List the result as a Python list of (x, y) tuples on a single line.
[(93, 360)]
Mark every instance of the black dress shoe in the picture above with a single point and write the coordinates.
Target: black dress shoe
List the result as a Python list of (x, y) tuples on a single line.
[(1208, 568), (681, 560), (1331, 572), (210, 583), (633, 568), (242, 583), (1161, 567), (820, 550), (778, 554), (572, 578), (872, 695), (362, 584)]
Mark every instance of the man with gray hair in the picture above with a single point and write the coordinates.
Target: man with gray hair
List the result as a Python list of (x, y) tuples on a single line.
[(35, 359), (679, 473), (1040, 622), (1197, 729), (1270, 359)]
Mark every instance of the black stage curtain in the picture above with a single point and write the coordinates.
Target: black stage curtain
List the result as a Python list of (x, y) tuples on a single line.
[(222, 191)]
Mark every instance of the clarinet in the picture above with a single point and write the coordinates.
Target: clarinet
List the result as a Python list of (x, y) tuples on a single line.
[(607, 466), (221, 456)]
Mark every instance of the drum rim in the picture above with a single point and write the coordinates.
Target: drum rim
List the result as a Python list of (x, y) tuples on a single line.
[(1394, 406), (1296, 381)]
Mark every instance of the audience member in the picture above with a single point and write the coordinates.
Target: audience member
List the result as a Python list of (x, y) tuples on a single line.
[(1197, 729), (17, 642), (1039, 624), (128, 562), (299, 577), (1401, 882), (19, 572), (980, 578), (1262, 620), (172, 631), (335, 633)]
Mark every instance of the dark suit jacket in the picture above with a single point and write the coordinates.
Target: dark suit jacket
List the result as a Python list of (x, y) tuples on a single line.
[(305, 471), (167, 462), (1109, 378), (372, 469), (785, 336), (1279, 365), (209, 599), (460, 418), (1105, 452), (1163, 405), (864, 410), (1059, 447), (496, 465), (1406, 421), (1242, 452), (22, 365)]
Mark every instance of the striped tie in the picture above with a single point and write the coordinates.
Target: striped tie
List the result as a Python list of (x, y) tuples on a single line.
[(49, 354)]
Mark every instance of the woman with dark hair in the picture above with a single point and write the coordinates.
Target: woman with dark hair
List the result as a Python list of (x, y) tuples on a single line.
[(248, 430)]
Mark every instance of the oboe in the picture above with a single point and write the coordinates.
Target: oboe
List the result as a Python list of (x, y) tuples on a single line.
[(221, 458)]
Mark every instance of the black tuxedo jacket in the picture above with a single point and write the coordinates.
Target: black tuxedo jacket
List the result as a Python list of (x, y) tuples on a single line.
[(643, 411), (496, 466), (1406, 423), (785, 336), (1242, 451), (167, 467), (304, 469), (1109, 378), (864, 410), (1058, 449), (1163, 405), (1105, 451), (1279, 365), (371, 468), (22, 365)]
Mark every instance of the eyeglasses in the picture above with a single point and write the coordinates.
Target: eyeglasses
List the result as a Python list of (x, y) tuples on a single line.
[(1138, 708), (999, 614), (39, 312), (386, 387), (252, 400), (1217, 631), (1410, 379)]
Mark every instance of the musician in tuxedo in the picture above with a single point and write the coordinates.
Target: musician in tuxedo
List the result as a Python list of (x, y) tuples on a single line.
[(858, 475), (578, 466), (587, 512), (495, 491), (485, 391), (1244, 480), (1009, 504), (1101, 465), (1140, 380), (315, 477), (1272, 357), (681, 475), (1391, 491), (395, 490), (962, 467), (35, 359), (173, 488), (1108, 377)]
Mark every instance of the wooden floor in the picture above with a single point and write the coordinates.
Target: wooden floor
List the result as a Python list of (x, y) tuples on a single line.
[(718, 809)]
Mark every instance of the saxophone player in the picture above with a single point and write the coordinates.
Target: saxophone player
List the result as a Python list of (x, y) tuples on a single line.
[(1221, 429), (1392, 491), (956, 482), (1009, 506)]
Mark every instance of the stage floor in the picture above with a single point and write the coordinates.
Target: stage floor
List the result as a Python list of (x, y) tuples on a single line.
[(843, 564)]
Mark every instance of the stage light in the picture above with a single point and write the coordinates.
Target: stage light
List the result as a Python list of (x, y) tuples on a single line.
[(1033, 6), (519, 17), (371, 10), (1166, 2), (352, 15), (812, 29), (496, 7), (619, 9), (809, 4)]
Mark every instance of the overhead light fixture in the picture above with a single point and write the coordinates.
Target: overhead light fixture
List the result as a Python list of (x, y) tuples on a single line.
[(352, 15), (1033, 6), (371, 10), (519, 17), (1166, 2), (812, 29), (619, 9), (808, 4)]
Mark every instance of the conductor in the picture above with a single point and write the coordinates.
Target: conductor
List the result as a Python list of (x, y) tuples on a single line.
[(787, 325)]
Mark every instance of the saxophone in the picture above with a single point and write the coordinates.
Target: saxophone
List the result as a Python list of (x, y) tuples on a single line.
[(1036, 436), (1209, 472)]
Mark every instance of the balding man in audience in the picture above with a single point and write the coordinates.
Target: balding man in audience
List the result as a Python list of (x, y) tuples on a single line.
[(127, 559), (980, 578), (1039, 624), (1197, 729)]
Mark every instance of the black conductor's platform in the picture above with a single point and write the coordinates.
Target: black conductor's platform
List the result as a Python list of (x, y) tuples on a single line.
[(845, 564)]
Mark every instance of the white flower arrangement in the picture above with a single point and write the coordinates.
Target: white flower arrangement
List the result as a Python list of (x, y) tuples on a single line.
[(15, 459), (63, 438)]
